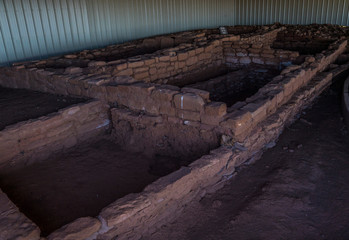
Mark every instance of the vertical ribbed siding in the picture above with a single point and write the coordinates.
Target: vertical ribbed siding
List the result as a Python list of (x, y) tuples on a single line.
[(292, 11), (39, 28)]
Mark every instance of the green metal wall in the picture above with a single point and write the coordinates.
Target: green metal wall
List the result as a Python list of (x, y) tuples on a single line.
[(32, 29)]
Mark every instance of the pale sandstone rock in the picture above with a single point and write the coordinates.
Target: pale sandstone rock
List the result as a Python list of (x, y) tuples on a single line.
[(189, 101), (13, 224), (80, 229)]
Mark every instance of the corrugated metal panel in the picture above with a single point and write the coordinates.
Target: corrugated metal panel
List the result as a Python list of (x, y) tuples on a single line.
[(292, 11), (39, 28)]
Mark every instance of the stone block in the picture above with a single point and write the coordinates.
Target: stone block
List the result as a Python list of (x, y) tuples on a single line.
[(126, 72), (232, 60), (149, 62), (257, 60), (140, 70), (253, 50), (245, 60), (238, 121), (121, 67), (164, 58), (257, 46), (191, 61), (124, 208), (73, 70), (271, 61), (189, 101), (163, 94), (218, 109), (258, 110), (288, 86), (192, 53), (80, 229), (188, 115), (182, 56), (97, 63), (135, 96), (202, 93), (135, 64), (141, 76), (152, 71)]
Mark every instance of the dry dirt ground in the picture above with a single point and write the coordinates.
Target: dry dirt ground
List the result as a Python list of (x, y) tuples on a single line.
[(18, 105), (76, 183), (297, 190)]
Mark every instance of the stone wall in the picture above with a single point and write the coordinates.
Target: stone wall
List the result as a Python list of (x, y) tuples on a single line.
[(162, 135), (33, 140), (256, 49), (194, 106), (310, 39), (243, 116), (138, 215), (82, 74)]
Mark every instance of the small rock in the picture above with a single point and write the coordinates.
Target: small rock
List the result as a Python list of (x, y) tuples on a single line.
[(70, 56), (285, 148), (97, 63), (72, 70), (300, 146), (291, 150)]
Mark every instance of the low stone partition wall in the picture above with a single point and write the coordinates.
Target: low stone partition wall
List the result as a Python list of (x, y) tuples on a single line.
[(163, 135), (137, 216), (257, 49), (81, 75), (36, 139), (309, 39), (243, 116), (194, 107)]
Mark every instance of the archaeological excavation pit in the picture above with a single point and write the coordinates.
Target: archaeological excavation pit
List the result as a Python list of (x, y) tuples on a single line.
[(17, 105), (80, 181), (166, 118)]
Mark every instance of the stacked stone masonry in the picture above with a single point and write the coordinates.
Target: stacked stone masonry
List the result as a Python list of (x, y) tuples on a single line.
[(37, 139), (143, 97)]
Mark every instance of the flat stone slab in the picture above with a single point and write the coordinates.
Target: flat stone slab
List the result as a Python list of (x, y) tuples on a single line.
[(13, 224)]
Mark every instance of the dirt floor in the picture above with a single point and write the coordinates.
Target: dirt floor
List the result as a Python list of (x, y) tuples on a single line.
[(297, 190), (18, 105), (233, 89), (78, 183)]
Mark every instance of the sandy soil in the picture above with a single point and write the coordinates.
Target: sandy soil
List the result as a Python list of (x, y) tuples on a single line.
[(78, 183), (297, 190), (18, 105)]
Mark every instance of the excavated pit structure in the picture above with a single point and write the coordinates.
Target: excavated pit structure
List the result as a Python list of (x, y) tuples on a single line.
[(155, 123)]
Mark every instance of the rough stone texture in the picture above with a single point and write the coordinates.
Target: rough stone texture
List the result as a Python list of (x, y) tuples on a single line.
[(36, 139), (189, 101), (80, 229), (139, 215), (13, 224), (156, 135), (158, 119)]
